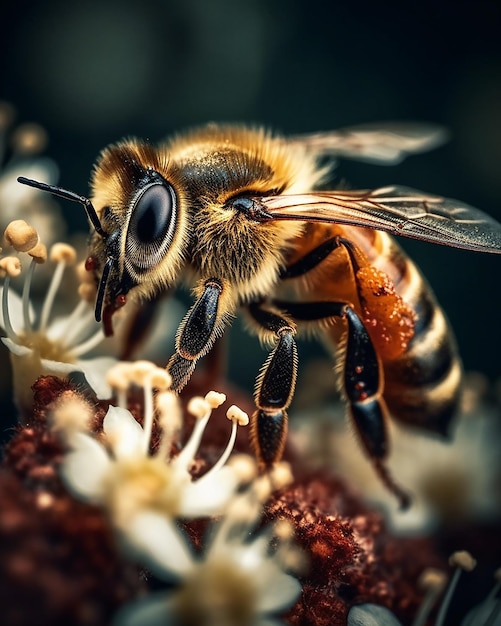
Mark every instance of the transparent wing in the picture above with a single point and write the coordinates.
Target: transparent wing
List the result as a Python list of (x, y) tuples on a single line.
[(385, 144), (397, 210)]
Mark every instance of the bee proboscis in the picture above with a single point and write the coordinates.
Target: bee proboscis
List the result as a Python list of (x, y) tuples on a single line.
[(237, 213)]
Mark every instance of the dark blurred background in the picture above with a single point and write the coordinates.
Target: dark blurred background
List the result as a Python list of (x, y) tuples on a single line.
[(94, 72)]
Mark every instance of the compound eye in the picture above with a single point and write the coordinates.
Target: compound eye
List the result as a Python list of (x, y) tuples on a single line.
[(153, 214), (151, 227)]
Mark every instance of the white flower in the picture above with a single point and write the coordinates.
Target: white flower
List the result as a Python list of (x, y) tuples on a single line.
[(447, 480), (139, 489), (38, 344), (27, 141), (433, 582), (238, 580), (371, 615)]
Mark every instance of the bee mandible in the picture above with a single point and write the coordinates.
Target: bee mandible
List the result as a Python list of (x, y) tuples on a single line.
[(238, 213)]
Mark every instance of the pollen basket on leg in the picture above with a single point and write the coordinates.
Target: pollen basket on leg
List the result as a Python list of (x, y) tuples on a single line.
[(389, 320)]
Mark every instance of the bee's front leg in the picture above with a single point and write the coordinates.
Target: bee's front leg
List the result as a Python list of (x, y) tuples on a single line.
[(274, 387), (199, 329)]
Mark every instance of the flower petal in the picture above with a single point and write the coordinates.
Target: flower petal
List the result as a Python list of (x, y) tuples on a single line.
[(371, 615), (59, 368), (95, 373), (158, 543), (85, 466), (80, 328), (209, 497), (278, 592), (123, 432), (14, 196), (481, 614), (16, 348), (269, 621), (154, 610)]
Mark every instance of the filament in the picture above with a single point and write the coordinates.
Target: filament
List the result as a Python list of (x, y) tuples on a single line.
[(51, 294), (26, 297)]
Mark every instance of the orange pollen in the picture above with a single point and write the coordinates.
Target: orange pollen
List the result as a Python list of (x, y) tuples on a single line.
[(389, 320)]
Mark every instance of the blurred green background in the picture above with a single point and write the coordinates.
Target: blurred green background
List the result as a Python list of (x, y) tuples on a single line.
[(94, 72)]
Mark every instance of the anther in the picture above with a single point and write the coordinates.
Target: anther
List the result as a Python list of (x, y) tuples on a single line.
[(215, 399), (235, 414), (198, 407), (38, 253), (63, 252), (21, 236), (463, 560), (10, 266)]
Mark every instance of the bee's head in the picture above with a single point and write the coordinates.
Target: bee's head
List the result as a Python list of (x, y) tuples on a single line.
[(137, 240)]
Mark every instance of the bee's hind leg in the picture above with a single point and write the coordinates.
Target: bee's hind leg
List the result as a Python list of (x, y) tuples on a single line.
[(362, 382), (274, 387)]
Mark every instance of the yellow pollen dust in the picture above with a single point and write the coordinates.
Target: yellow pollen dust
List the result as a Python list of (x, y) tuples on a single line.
[(46, 348), (141, 483)]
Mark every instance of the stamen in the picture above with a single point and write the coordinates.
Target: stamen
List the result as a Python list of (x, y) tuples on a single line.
[(215, 399), (160, 379), (491, 598), (21, 236), (26, 297), (151, 377), (169, 418), (235, 414), (433, 582), (10, 266), (55, 283), (148, 413), (139, 371), (5, 311), (463, 561), (118, 377), (63, 253), (187, 454), (198, 407), (236, 421), (38, 253)]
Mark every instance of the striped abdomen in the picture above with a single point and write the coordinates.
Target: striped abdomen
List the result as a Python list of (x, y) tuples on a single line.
[(422, 385), (422, 382)]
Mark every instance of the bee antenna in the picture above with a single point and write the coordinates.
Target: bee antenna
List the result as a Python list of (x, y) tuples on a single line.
[(102, 289), (68, 195)]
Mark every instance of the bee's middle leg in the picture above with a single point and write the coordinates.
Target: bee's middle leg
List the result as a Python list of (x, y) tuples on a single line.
[(274, 387)]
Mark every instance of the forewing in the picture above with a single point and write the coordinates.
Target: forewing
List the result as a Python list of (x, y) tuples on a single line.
[(386, 144), (397, 210)]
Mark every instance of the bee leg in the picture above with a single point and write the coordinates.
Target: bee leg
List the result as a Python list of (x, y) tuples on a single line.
[(197, 333), (362, 383), (311, 259), (274, 388)]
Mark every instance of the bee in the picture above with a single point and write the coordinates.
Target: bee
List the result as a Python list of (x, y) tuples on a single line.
[(240, 214)]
